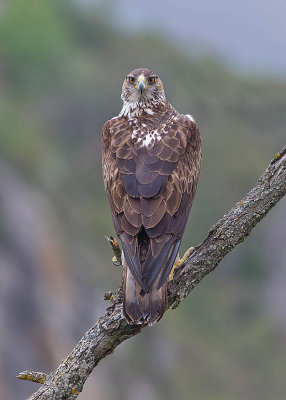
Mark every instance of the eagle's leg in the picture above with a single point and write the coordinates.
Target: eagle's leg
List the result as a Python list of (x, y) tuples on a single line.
[(116, 259), (180, 261)]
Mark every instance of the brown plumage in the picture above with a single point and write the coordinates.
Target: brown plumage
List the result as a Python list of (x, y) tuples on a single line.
[(151, 161)]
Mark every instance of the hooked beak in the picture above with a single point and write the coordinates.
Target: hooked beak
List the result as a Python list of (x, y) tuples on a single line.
[(141, 83)]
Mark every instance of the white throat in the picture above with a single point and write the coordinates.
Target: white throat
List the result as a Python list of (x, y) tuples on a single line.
[(133, 109)]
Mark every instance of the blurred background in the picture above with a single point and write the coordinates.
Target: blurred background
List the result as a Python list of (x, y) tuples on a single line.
[(62, 64)]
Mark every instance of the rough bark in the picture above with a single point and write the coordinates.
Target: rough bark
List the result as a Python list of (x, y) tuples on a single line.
[(67, 381)]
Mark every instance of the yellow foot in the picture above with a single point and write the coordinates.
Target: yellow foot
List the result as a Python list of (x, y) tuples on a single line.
[(116, 259), (180, 261), (108, 296)]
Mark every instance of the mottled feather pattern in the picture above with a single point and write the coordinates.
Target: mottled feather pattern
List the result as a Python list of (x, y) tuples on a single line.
[(157, 164), (151, 164)]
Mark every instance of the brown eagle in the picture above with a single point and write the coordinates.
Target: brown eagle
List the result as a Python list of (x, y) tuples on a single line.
[(151, 161)]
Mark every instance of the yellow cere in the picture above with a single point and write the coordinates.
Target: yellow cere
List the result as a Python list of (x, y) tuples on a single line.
[(140, 78)]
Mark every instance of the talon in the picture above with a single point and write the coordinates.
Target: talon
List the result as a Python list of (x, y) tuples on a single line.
[(186, 255), (116, 261), (171, 275), (116, 250), (113, 241), (108, 296), (180, 261)]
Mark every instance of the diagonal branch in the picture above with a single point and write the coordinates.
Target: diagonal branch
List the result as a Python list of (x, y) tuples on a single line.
[(67, 381)]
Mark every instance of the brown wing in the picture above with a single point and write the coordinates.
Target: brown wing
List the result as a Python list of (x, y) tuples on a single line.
[(150, 190)]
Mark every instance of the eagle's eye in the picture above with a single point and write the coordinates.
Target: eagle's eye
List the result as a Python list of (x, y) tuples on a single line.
[(151, 80), (131, 79)]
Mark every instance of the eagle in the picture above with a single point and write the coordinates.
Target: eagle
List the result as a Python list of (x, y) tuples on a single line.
[(151, 157)]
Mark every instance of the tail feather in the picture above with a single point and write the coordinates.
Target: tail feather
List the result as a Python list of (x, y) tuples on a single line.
[(131, 310), (146, 277), (140, 307)]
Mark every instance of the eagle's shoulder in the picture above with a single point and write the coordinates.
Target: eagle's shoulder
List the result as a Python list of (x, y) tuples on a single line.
[(112, 126), (113, 123), (187, 121), (106, 131), (188, 127), (179, 131)]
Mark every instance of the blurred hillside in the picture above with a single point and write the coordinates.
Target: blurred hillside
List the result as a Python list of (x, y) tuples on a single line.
[(61, 73)]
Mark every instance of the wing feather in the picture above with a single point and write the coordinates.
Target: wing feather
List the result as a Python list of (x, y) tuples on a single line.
[(153, 220), (150, 206), (151, 190)]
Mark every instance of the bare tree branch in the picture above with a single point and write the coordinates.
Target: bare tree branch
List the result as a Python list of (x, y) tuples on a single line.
[(67, 381)]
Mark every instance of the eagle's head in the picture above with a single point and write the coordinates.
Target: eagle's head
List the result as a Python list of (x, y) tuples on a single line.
[(141, 87)]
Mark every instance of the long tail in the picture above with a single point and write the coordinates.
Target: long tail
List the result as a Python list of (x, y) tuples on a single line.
[(140, 307)]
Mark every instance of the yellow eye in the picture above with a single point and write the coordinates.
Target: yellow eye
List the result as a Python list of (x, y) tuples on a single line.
[(131, 79), (151, 80)]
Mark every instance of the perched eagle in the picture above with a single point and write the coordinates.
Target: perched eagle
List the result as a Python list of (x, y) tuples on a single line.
[(151, 161)]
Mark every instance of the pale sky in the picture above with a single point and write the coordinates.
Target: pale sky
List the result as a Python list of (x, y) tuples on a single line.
[(246, 33)]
